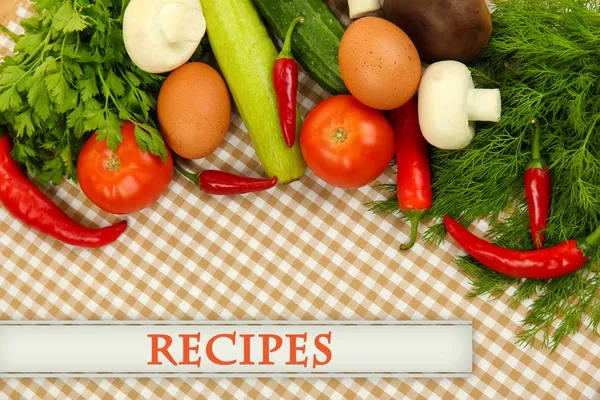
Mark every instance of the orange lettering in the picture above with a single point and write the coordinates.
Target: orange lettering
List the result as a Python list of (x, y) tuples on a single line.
[(323, 349), (188, 348), (164, 349), (267, 350), (247, 356), (294, 348), (210, 352)]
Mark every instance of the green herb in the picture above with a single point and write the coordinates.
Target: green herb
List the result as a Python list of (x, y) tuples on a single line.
[(70, 76), (9, 33), (543, 55)]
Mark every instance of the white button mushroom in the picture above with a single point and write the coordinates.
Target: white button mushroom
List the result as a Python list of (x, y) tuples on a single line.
[(360, 8), (449, 105), (162, 35)]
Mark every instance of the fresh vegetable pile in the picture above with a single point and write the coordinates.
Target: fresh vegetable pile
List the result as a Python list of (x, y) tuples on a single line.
[(543, 57), (28, 204), (315, 43), (511, 137), (70, 77), (247, 55)]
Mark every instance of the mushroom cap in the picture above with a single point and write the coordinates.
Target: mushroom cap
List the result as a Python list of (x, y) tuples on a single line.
[(443, 114), (162, 35)]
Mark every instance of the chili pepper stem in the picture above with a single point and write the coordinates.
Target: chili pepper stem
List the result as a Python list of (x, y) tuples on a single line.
[(536, 159), (192, 177), (414, 218), (286, 51), (589, 244), (593, 240)]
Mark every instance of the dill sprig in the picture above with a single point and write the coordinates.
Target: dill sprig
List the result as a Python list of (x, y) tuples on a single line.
[(543, 55)]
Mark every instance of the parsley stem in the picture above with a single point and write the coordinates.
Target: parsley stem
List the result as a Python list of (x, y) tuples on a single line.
[(14, 37), (62, 51), (109, 95), (33, 56)]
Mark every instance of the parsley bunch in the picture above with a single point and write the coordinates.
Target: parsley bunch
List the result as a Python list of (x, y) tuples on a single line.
[(71, 76), (543, 56)]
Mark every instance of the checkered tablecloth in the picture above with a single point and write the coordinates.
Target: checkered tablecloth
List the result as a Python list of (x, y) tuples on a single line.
[(302, 251)]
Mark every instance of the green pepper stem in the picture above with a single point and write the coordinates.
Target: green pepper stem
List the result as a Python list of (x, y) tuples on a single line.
[(192, 177), (286, 52), (414, 218)]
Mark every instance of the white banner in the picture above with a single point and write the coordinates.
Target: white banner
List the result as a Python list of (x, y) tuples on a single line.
[(240, 349)]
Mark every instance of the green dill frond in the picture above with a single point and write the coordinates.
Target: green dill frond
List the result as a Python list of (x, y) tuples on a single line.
[(387, 188), (484, 280), (383, 207)]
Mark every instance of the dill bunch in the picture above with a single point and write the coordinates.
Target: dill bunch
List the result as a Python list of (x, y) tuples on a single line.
[(544, 57)]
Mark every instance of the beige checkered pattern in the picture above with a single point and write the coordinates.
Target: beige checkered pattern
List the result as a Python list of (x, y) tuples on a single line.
[(302, 251)]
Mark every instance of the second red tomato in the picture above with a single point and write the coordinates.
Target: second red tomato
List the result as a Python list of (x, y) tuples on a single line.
[(346, 143), (126, 181)]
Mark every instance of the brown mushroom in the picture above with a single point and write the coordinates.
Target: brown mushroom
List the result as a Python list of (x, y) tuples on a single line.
[(443, 29)]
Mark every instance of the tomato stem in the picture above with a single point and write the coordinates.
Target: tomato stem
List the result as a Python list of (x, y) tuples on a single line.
[(339, 135), (113, 163)]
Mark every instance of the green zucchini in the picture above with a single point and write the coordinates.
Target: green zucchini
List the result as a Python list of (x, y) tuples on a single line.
[(315, 43), (246, 56)]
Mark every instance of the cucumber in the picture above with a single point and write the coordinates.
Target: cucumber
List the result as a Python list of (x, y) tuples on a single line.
[(315, 43), (246, 56)]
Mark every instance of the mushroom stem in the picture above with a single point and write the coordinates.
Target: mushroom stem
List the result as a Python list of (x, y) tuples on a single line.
[(484, 105), (179, 23), (360, 8)]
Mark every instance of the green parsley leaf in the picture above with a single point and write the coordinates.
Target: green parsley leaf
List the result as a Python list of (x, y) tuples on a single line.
[(48, 66), (63, 16), (28, 44), (115, 84), (133, 79), (76, 122), (93, 119), (22, 151), (31, 24), (38, 99), (24, 124), (10, 99), (76, 23), (110, 130), (11, 74), (57, 86)]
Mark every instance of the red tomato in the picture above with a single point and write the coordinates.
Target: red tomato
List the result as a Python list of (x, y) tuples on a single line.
[(126, 181), (346, 143)]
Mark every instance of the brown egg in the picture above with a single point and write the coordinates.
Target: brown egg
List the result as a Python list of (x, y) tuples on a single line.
[(194, 110), (379, 63)]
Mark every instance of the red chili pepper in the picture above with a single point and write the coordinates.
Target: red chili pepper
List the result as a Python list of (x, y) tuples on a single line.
[(538, 182), (548, 263), (27, 203), (224, 183), (412, 159), (285, 77)]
